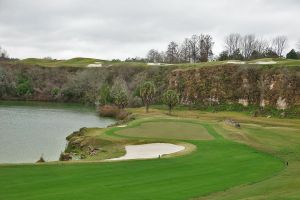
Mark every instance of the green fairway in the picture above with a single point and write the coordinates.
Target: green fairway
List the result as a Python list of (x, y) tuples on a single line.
[(216, 165), (282, 141)]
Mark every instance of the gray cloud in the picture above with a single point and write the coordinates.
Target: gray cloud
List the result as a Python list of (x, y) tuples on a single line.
[(120, 29)]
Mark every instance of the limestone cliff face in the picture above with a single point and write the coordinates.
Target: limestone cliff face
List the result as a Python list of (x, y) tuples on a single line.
[(277, 87)]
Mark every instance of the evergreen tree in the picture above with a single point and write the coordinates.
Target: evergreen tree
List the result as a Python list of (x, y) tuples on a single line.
[(223, 56), (292, 55)]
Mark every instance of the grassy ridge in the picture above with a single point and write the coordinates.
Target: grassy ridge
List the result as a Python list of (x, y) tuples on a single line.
[(280, 62), (74, 62), (83, 62), (216, 165)]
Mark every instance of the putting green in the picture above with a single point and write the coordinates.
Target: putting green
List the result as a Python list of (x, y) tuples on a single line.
[(216, 165), (166, 129)]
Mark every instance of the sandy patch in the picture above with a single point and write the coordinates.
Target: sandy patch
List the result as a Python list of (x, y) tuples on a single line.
[(236, 62), (122, 126), (146, 151), (155, 64), (265, 62), (96, 64), (151, 64)]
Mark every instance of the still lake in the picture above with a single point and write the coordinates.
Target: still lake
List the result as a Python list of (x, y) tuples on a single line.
[(31, 129)]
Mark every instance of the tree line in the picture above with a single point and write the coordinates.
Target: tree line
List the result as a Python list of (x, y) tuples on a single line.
[(146, 92), (198, 48), (247, 47)]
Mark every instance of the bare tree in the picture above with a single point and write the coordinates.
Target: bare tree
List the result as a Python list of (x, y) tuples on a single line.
[(162, 56), (153, 56), (232, 43), (279, 44), (248, 45), (262, 45), (184, 51), (172, 52), (205, 47), (193, 48)]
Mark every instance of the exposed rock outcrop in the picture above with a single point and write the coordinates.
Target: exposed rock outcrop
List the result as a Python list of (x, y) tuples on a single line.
[(230, 83), (232, 122), (277, 87), (65, 156)]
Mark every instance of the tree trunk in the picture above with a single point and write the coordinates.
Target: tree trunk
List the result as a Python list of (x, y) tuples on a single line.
[(170, 109), (147, 108)]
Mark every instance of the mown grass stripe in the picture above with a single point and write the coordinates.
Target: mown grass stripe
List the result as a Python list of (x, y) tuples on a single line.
[(212, 131)]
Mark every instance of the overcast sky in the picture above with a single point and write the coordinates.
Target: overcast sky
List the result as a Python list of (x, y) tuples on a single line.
[(127, 28)]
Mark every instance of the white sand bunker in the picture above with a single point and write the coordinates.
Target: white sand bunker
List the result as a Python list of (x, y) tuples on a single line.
[(154, 64), (96, 64), (265, 63), (122, 126), (236, 62), (153, 150)]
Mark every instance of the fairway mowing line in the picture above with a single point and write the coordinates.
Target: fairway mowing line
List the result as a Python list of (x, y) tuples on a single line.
[(212, 131)]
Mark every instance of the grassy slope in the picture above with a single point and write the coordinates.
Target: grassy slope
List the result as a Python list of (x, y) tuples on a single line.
[(279, 137), (216, 165), (74, 62), (282, 140), (83, 62)]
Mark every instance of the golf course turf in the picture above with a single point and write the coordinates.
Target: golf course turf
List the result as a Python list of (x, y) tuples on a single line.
[(216, 165), (167, 129)]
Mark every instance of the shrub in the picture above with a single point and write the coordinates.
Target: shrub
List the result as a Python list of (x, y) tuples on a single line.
[(24, 86), (120, 98), (119, 93), (65, 157), (136, 102), (108, 111), (41, 160), (113, 111), (105, 94), (55, 91), (122, 114), (171, 99)]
